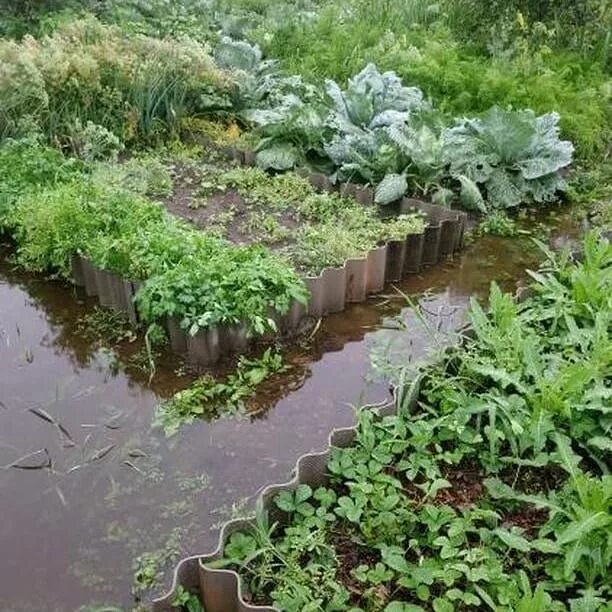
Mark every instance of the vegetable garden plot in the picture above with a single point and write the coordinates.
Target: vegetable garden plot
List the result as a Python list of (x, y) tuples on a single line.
[(343, 250), (490, 491)]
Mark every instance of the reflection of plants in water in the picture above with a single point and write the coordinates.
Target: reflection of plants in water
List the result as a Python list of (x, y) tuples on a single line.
[(126, 347), (152, 542), (105, 327), (427, 327), (149, 566), (90, 336)]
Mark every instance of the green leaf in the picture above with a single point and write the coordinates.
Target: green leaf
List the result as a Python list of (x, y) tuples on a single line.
[(284, 500), (302, 493), (394, 557), (240, 546), (431, 488), (578, 529), (280, 156), (470, 195), (400, 606), (512, 539), (391, 188)]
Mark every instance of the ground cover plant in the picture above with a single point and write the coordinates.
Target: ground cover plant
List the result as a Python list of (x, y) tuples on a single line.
[(247, 205), (492, 491), (196, 277)]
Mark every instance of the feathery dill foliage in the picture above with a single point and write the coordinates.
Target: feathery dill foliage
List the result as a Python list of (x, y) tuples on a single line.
[(134, 86)]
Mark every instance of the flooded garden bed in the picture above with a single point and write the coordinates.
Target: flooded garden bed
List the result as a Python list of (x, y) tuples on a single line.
[(225, 227), (119, 499)]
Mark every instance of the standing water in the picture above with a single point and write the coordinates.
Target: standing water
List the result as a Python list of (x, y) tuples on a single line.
[(91, 492)]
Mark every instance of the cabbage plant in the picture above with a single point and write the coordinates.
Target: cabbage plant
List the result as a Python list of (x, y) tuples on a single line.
[(378, 131), (511, 156)]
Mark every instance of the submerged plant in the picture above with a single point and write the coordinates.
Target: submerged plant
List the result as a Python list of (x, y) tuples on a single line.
[(209, 397)]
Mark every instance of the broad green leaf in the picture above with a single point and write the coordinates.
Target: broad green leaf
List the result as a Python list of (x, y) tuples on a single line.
[(400, 606), (281, 156), (512, 539), (471, 197), (390, 189), (302, 493), (578, 529)]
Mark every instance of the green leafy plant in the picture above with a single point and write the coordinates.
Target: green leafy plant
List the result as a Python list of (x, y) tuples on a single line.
[(96, 76), (184, 600), (487, 492), (209, 397), (514, 156)]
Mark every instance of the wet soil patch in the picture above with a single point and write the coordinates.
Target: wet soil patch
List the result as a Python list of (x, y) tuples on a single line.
[(466, 487), (534, 480), (528, 518), (199, 199), (351, 555)]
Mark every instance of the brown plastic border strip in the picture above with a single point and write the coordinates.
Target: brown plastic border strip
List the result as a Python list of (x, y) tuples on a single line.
[(330, 291), (220, 589)]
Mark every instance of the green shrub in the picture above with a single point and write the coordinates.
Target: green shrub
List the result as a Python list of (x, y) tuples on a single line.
[(134, 86), (27, 165)]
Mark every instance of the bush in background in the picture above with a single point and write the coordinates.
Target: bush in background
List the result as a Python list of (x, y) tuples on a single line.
[(136, 87)]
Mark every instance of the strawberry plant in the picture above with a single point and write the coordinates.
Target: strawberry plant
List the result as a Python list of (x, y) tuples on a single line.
[(484, 494)]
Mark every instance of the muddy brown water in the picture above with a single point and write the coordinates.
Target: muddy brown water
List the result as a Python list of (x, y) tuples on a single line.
[(117, 488)]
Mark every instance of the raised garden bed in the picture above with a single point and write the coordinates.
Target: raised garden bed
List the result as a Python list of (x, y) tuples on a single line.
[(440, 501), (341, 248)]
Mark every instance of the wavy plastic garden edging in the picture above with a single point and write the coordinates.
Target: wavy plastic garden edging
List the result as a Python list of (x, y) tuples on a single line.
[(330, 291), (221, 590)]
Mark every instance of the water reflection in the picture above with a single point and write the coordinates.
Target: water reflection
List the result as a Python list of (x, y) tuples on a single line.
[(117, 489)]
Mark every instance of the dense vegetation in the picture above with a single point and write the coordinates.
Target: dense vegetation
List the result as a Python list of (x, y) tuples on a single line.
[(491, 492), (194, 276), (407, 128)]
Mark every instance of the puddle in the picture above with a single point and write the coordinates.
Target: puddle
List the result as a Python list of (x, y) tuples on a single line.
[(117, 489)]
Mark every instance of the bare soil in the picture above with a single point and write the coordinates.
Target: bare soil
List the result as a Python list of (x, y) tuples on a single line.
[(237, 219)]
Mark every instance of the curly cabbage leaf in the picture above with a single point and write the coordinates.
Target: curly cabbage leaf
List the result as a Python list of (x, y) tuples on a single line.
[(368, 154), (514, 155), (237, 55), (390, 189), (373, 100)]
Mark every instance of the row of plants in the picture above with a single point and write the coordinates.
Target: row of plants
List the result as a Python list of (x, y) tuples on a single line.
[(283, 211), (375, 129), (492, 491), (116, 215), (197, 277), (381, 132), (466, 55)]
